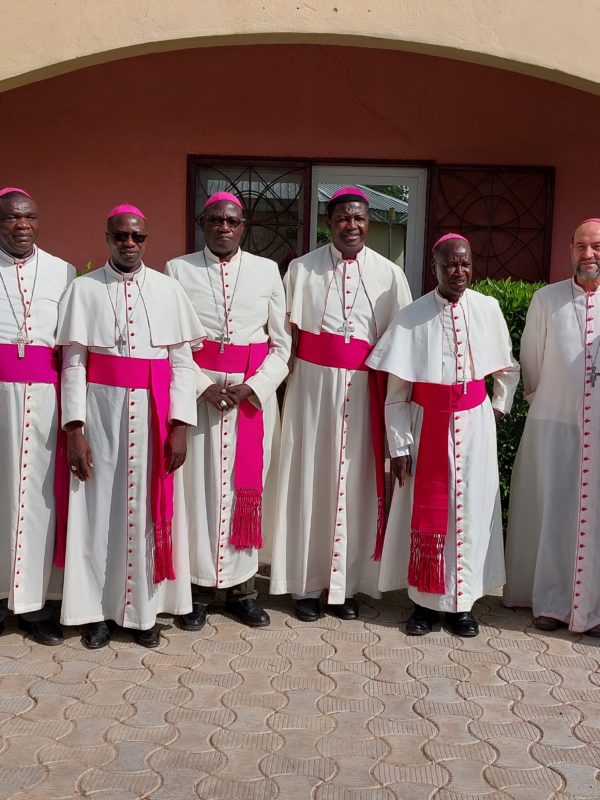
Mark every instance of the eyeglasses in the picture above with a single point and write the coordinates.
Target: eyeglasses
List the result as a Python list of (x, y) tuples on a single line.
[(231, 222), (123, 236)]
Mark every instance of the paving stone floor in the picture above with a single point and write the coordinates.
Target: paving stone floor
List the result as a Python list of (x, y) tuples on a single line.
[(328, 711)]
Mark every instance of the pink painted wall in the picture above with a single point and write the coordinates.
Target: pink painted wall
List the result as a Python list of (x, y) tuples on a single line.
[(121, 131)]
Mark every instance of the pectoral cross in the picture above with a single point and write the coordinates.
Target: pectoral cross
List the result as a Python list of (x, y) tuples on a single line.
[(121, 343), (21, 340), (347, 329), (223, 340), (593, 375)]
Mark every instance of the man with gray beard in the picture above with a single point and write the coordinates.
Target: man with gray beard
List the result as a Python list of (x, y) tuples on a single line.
[(553, 546)]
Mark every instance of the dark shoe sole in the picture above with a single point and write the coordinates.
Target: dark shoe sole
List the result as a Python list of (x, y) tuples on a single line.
[(147, 645), (305, 617), (548, 625), (465, 634), (188, 625), (422, 630), (27, 628), (95, 646), (345, 615), (249, 623)]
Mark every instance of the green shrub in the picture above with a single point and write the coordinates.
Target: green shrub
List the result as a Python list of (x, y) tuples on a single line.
[(514, 298)]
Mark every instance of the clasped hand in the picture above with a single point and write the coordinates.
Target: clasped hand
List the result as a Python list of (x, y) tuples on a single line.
[(224, 398)]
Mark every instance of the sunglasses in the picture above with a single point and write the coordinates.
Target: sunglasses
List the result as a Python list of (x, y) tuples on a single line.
[(122, 237), (231, 222)]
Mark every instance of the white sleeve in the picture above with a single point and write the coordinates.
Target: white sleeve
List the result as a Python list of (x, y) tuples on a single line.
[(73, 380), (533, 345), (398, 421), (183, 384), (275, 366)]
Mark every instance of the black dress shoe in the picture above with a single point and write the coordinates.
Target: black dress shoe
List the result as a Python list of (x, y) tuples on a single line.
[(307, 609), (421, 621), (547, 624), (195, 619), (46, 631), (463, 624), (149, 638), (249, 612), (97, 635), (346, 610)]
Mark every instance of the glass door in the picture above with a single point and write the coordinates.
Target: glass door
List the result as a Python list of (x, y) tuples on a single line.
[(397, 203)]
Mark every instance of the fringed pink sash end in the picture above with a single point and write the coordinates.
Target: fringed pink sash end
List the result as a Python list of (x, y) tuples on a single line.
[(429, 521), (246, 526), (246, 531), (426, 565), (163, 552)]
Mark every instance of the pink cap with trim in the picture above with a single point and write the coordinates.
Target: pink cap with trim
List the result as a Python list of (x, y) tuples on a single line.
[(349, 190), (446, 238), (220, 197), (125, 208), (11, 189)]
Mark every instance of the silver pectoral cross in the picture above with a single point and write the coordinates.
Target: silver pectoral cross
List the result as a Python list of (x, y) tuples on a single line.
[(121, 344), (593, 375), (347, 329), (223, 340), (21, 340)]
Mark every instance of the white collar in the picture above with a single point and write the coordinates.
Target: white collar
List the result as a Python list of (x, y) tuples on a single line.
[(11, 260), (115, 273), (214, 259), (337, 255)]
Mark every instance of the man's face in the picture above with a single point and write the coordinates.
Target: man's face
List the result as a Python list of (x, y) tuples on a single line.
[(349, 225), (18, 225), (453, 268), (223, 225), (126, 237), (585, 251)]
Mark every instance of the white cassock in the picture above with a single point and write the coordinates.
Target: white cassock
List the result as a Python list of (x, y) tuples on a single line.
[(434, 341), (28, 422), (327, 507), (250, 288), (109, 562), (553, 544)]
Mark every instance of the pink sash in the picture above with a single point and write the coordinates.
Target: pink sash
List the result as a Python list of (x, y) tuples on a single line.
[(330, 350), (246, 529), (429, 523), (41, 365), (155, 375)]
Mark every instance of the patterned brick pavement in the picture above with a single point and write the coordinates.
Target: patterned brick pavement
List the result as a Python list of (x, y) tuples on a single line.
[(328, 711)]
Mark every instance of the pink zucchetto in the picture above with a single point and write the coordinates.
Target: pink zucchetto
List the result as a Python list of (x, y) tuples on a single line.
[(14, 189), (223, 197), (591, 219), (125, 208), (349, 190), (347, 194), (447, 237)]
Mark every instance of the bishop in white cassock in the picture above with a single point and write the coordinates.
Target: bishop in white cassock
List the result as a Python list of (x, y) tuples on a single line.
[(128, 393), (553, 543), (32, 284), (444, 532), (240, 301), (330, 503)]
